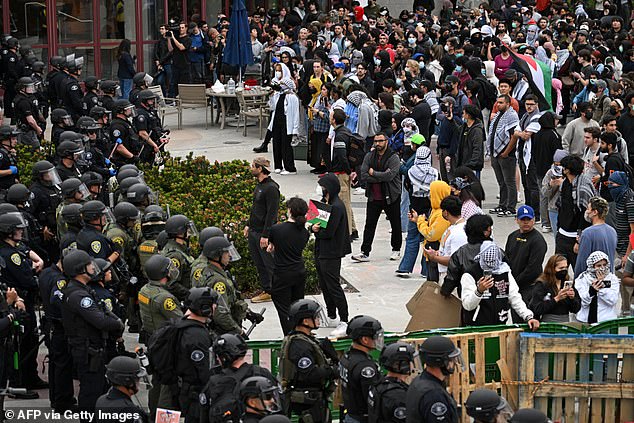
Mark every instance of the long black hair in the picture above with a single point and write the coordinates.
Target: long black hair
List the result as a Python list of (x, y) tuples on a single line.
[(124, 47)]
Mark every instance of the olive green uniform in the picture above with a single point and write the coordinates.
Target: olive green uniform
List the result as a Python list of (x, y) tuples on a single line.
[(198, 267), (180, 257), (231, 309)]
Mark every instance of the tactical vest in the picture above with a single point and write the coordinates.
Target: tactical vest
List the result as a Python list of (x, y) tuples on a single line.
[(377, 411), (146, 249), (147, 297), (415, 394)]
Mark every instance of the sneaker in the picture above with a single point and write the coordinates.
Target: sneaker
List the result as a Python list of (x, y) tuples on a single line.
[(331, 323), (507, 213), (278, 170), (403, 274), (354, 235), (546, 229), (262, 298), (340, 330), (496, 210), (359, 191), (396, 255), (538, 220), (361, 257), (286, 172)]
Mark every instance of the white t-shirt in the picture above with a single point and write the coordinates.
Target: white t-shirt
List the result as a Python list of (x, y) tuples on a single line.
[(453, 238)]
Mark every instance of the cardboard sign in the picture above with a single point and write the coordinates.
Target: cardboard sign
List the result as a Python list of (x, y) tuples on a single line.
[(431, 310), (167, 416)]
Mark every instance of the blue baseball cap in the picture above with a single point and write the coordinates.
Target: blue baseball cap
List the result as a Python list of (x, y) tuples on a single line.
[(340, 65), (417, 55), (525, 212)]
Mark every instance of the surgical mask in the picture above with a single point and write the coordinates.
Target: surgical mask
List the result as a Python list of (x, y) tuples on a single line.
[(278, 75), (377, 61), (446, 47), (411, 40), (399, 82), (561, 275), (458, 54), (347, 43), (621, 49), (458, 68), (421, 65), (514, 25), (587, 216), (483, 72)]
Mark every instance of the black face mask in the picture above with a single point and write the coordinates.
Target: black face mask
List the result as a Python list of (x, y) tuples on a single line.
[(561, 275), (313, 90), (588, 115), (613, 111)]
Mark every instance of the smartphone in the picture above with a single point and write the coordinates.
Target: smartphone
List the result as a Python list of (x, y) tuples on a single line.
[(487, 273), (607, 284), (567, 284)]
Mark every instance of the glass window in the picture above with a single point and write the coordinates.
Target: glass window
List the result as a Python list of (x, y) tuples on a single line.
[(193, 11), (28, 21), (74, 22), (214, 7), (117, 20), (175, 9), (153, 16)]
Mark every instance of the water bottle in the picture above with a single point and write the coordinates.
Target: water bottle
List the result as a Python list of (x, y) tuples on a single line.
[(142, 357), (231, 86)]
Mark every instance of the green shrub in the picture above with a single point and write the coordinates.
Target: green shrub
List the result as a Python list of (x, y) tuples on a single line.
[(218, 194)]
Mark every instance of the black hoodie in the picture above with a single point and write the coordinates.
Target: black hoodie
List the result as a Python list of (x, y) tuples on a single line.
[(544, 144), (333, 241)]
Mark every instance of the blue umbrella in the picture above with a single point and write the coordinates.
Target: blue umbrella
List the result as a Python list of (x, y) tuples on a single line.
[(238, 51)]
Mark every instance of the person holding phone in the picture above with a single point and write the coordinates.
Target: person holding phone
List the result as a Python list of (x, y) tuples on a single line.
[(598, 289), (554, 295)]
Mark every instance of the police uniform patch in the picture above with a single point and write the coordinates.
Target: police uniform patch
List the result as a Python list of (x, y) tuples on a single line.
[(95, 246), (137, 227), (304, 363), (197, 274), (61, 284), (438, 409), (176, 262), (169, 304), (74, 87), (16, 259), (118, 240), (220, 287), (400, 413), (368, 372), (116, 133), (147, 249), (141, 118), (89, 156), (108, 303), (86, 302), (143, 299), (11, 59), (202, 399), (197, 355)]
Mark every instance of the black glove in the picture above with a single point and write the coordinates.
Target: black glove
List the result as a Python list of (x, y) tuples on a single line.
[(254, 317), (329, 349)]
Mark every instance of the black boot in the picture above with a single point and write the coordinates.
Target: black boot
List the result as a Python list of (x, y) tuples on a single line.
[(262, 148)]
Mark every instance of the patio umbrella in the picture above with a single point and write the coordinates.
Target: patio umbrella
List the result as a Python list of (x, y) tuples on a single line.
[(238, 48)]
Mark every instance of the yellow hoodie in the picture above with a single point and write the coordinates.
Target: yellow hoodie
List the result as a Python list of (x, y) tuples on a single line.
[(433, 229)]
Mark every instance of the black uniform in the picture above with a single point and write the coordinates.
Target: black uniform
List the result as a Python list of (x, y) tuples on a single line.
[(25, 105), (41, 95), (358, 373), (134, 96), (90, 100), (60, 366), (53, 79), (44, 203), (73, 97), (116, 401), (192, 365), (56, 131), (110, 303), (18, 274), (429, 401), (60, 89), (107, 102), (95, 243), (308, 376), (88, 325), (12, 72), (6, 161), (123, 130), (67, 172), (94, 161), (147, 121), (386, 401)]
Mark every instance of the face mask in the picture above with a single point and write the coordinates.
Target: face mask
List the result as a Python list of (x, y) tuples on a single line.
[(399, 82), (621, 49), (377, 61), (313, 90), (446, 47), (561, 275), (278, 75), (411, 40), (588, 115), (613, 111), (421, 66), (587, 216), (347, 43), (483, 72), (458, 54), (514, 25), (458, 68)]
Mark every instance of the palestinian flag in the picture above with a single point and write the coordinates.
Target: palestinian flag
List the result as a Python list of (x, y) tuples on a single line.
[(539, 78), (319, 213)]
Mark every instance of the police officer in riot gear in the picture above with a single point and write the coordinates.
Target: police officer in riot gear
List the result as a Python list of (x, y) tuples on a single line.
[(88, 325), (73, 191), (94, 183), (123, 134), (141, 81), (52, 76), (69, 151), (124, 375), (91, 239), (219, 401), (179, 230), (46, 198), (199, 264), (307, 366), (260, 397), (140, 195), (26, 113), (71, 215), (109, 89), (41, 91), (52, 283), (62, 121), (94, 158), (20, 196), (157, 307), (192, 351), (92, 96), (71, 94), (12, 72), (9, 173), (148, 125), (102, 118), (152, 223), (357, 370), (486, 406), (386, 400), (427, 396)]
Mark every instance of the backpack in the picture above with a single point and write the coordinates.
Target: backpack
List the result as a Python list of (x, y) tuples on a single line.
[(489, 93), (161, 351), (222, 394), (356, 149), (629, 171)]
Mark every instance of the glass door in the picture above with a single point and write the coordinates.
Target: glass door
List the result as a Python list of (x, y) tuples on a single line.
[(75, 31)]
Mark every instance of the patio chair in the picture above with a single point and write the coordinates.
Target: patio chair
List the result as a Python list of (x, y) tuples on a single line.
[(192, 96), (164, 106), (250, 107)]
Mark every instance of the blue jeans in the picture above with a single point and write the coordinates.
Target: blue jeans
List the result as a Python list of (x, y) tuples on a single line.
[(164, 77), (126, 87), (412, 246), (404, 208), (552, 216)]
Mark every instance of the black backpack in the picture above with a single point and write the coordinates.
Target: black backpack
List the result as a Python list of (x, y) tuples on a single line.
[(222, 394), (161, 351), (356, 150), (629, 171), (489, 93)]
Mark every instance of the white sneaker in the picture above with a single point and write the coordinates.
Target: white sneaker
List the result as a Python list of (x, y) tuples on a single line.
[(359, 191), (396, 255), (332, 323), (340, 330), (361, 257), (286, 172), (278, 170)]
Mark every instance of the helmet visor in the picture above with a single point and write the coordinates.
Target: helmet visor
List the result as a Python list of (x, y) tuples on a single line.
[(271, 400), (29, 88), (147, 80), (233, 252), (50, 177), (379, 340), (456, 357), (117, 91), (172, 273), (192, 231), (109, 216), (130, 111), (19, 216), (68, 121), (84, 191), (505, 411)]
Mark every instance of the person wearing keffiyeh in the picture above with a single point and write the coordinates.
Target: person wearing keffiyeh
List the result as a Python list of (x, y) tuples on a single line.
[(489, 291), (284, 124), (598, 289)]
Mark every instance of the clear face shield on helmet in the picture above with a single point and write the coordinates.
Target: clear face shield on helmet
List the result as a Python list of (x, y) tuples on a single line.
[(79, 64), (80, 157), (172, 273), (22, 225), (191, 230), (233, 251), (67, 121), (271, 400), (50, 177), (130, 111), (84, 191), (505, 411), (455, 357), (30, 88), (117, 91), (379, 340), (109, 216)]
